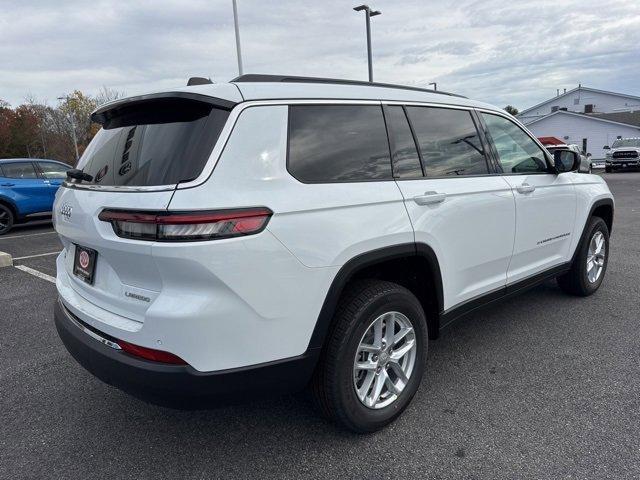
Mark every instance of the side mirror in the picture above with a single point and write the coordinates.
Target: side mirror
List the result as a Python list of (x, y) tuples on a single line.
[(606, 147), (566, 161)]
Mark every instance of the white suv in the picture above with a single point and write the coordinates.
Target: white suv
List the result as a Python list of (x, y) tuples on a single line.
[(273, 232), (624, 153)]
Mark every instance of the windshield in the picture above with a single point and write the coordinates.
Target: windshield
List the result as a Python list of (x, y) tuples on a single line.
[(151, 143), (626, 142)]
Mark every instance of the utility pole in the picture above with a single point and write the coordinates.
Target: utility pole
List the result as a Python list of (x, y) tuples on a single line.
[(368, 14), (235, 22)]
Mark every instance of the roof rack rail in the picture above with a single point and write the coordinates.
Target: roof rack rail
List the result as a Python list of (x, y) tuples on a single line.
[(257, 77)]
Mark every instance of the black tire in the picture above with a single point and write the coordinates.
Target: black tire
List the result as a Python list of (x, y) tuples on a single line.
[(576, 281), (607, 169), (6, 219), (332, 387)]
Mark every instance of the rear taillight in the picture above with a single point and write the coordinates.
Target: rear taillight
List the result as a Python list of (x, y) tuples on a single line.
[(187, 226), (150, 353)]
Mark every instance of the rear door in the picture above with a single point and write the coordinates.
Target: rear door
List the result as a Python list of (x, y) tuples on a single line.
[(29, 191), (457, 207), (545, 201)]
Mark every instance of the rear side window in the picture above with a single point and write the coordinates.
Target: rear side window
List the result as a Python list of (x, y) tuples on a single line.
[(517, 152), (448, 141), (338, 143), (158, 142), (406, 162), (53, 170), (19, 170)]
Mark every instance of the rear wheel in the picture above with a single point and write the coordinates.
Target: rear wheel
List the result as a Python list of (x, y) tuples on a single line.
[(6, 219), (374, 358), (590, 264), (607, 169)]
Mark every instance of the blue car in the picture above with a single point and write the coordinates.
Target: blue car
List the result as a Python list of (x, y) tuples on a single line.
[(27, 189)]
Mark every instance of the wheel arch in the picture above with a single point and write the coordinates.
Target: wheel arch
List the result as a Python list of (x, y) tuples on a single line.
[(603, 208), (406, 260)]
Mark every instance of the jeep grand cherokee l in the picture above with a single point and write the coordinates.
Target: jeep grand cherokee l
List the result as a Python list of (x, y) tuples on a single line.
[(274, 233)]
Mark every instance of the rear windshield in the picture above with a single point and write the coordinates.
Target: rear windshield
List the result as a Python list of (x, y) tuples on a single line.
[(158, 142)]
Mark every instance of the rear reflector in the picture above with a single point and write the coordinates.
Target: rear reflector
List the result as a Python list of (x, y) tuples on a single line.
[(187, 226), (150, 353)]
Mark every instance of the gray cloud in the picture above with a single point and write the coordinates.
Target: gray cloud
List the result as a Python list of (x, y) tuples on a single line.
[(497, 51), (424, 54)]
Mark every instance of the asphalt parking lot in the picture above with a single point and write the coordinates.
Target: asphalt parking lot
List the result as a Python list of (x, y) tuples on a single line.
[(541, 386)]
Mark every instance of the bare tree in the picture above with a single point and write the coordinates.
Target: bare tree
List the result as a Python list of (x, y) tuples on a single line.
[(107, 94)]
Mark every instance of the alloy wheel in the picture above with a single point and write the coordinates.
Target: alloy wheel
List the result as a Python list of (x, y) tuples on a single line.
[(384, 360), (5, 220), (596, 257)]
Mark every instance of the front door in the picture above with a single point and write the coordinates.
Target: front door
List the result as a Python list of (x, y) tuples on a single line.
[(545, 201), (466, 215)]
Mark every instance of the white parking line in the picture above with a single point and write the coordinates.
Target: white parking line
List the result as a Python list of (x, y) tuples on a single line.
[(36, 273), (38, 255), (27, 235)]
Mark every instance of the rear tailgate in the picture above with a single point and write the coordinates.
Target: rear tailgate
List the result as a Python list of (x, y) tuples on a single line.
[(125, 274)]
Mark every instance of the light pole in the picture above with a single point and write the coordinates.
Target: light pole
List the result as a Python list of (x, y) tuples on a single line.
[(435, 86), (235, 23), (73, 128), (368, 14)]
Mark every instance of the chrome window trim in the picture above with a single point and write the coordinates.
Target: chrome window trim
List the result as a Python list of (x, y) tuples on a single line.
[(428, 104)]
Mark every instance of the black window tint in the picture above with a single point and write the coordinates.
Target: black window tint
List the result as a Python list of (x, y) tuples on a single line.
[(406, 162), (448, 141), (517, 152), (338, 143), (53, 170), (158, 142), (19, 170)]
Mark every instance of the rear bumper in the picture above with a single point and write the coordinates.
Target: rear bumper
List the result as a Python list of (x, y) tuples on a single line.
[(180, 386)]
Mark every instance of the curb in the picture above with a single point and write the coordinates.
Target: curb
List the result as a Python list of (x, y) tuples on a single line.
[(5, 260)]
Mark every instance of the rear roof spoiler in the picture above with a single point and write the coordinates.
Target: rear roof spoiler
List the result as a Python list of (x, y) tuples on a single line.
[(104, 112)]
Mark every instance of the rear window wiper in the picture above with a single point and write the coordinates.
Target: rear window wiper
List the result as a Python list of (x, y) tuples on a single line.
[(79, 175)]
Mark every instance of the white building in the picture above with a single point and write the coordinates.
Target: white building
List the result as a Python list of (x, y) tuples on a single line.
[(586, 117)]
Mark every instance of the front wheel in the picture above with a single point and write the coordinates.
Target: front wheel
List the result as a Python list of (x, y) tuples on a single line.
[(607, 169), (6, 219), (590, 264), (374, 359)]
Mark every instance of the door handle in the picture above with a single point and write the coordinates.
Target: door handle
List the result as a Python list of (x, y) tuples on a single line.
[(525, 188), (7, 184), (430, 198)]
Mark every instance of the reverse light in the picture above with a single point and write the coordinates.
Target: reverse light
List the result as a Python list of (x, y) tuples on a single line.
[(186, 226), (150, 353)]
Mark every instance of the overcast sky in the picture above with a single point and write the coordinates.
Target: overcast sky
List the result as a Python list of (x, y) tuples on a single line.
[(503, 52)]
